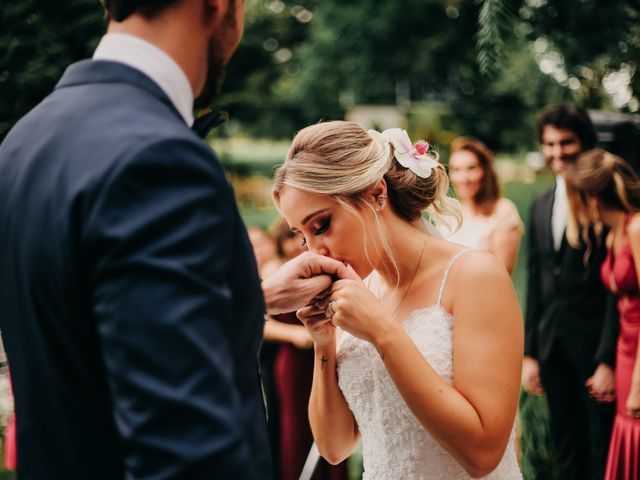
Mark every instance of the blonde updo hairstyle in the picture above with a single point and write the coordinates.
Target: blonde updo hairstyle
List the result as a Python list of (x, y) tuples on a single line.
[(598, 174), (344, 161)]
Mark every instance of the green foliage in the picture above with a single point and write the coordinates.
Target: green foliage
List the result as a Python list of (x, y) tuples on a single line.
[(538, 460), (310, 60), (37, 41), (493, 24)]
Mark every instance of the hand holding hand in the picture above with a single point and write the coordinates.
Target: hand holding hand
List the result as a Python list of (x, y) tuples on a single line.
[(318, 323), (355, 309), (531, 376), (601, 384), (299, 280)]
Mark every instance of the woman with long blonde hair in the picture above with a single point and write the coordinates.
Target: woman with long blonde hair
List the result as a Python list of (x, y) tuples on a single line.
[(421, 359), (604, 190)]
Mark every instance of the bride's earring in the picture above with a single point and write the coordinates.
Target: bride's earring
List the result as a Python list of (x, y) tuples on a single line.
[(380, 201)]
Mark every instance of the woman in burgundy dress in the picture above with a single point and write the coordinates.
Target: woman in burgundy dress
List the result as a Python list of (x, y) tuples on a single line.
[(604, 189)]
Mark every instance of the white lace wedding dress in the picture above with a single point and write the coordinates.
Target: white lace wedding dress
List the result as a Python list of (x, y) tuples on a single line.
[(395, 446)]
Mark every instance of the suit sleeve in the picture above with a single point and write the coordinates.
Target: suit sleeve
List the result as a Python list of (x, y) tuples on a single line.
[(606, 352), (159, 237), (534, 288)]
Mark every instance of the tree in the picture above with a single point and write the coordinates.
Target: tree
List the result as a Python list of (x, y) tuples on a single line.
[(38, 39)]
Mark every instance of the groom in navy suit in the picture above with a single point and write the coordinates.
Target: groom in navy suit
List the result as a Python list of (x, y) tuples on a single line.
[(132, 310)]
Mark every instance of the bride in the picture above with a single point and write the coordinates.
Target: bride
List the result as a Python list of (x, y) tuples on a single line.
[(422, 359)]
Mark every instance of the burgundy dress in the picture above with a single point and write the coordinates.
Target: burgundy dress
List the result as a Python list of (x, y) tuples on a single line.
[(293, 376), (10, 450), (619, 275)]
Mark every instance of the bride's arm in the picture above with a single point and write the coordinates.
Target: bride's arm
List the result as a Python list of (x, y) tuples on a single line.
[(332, 423), (472, 419), (334, 428)]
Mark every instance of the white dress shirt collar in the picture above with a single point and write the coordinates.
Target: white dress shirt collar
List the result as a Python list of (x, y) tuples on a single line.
[(560, 212), (153, 62)]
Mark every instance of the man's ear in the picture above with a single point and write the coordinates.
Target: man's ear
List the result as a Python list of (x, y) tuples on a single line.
[(215, 4), (216, 7)]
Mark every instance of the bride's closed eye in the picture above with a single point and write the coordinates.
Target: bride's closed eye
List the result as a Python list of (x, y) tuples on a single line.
[(319, 227), (322, 225)]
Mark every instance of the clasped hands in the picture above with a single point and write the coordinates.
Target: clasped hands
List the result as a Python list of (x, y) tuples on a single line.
[(297, 282), (325, 293)]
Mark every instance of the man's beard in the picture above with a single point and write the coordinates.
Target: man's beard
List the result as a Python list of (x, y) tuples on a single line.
[(215, 76), (217, 65)]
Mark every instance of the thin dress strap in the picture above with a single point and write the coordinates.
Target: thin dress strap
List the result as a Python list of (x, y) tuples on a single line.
[(446, 273)]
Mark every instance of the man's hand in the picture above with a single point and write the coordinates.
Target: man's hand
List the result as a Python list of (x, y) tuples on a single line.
[(298, 281), (531, 376), (601, 384)]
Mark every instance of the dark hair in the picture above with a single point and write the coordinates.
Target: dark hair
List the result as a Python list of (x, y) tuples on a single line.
[(489, 191), (119, 10), (568, 117)]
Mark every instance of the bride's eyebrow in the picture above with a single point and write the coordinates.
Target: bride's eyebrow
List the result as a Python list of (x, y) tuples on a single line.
[(312, 214)]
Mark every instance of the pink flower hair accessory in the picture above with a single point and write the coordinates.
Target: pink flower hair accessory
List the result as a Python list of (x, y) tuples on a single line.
[(414, 157)]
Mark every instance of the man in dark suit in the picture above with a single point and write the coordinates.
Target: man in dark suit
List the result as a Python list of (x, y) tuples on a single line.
[(570, 319), (131, 304)]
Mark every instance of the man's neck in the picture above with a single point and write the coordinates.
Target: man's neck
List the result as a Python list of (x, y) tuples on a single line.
[(179, 39)]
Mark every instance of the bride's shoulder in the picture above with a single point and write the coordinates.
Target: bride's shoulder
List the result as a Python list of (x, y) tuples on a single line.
[(475, 270), (476, 265)]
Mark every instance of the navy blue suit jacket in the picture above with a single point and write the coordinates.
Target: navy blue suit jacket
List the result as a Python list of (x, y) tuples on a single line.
[(131, 307)]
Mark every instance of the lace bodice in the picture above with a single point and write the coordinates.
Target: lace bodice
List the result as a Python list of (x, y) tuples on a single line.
[(394, 443)]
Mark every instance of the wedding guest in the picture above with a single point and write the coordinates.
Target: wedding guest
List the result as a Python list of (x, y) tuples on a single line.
[(293, 373), (570, 319), (267, 260), (288, 244), (604, 189), (422, 359), (264, 249), (490, 222)]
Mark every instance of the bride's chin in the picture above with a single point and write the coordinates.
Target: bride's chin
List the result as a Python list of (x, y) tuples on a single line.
[(363, 272)]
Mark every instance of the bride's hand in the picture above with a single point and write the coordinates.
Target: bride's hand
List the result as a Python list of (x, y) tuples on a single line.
[(355, 309), (319, 325)]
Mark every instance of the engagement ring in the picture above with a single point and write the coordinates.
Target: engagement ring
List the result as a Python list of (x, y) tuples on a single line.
[(329, 310)]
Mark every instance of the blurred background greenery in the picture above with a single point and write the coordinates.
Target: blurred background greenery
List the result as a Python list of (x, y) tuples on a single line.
[(442, 67)]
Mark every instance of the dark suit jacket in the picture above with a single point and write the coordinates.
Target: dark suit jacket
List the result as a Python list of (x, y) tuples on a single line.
[(131, 306), (566, 301)]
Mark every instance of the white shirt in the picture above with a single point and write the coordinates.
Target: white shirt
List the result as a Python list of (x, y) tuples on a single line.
[(154, 63), (560, 212)]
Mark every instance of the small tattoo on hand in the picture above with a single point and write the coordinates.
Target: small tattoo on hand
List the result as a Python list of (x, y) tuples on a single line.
[(323, 360)]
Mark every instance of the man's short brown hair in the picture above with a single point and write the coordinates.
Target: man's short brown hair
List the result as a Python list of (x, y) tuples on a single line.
[(119, 10)]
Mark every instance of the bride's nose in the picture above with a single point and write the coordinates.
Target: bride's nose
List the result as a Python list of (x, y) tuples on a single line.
[(316, 245)]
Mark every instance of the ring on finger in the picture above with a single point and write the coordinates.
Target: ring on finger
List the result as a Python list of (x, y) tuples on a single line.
[(329, 311)]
